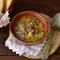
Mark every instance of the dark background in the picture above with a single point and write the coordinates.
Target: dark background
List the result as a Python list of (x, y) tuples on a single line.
[(49, 7)]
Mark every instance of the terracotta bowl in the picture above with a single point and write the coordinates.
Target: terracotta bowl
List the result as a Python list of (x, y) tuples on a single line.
[(31, 13)]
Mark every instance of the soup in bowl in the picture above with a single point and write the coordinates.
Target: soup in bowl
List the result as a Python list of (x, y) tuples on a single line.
[(29, 27)]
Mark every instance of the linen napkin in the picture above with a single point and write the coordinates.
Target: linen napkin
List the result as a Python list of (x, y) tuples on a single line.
[(4, 19), (15, 45)]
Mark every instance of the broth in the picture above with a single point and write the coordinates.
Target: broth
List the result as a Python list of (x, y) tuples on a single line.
[(29, 29)]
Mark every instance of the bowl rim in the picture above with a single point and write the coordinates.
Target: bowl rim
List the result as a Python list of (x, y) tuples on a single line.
[(36, 13)]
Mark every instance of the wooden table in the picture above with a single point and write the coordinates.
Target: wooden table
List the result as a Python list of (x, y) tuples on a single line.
[(48, 7)]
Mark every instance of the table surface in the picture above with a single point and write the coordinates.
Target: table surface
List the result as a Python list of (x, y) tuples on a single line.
[(48, 7)]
